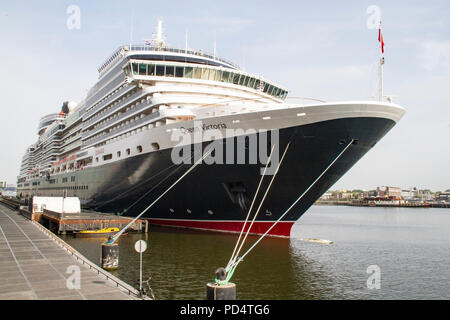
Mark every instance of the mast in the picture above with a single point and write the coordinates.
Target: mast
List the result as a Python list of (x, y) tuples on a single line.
[(380, 79), (158, 38)]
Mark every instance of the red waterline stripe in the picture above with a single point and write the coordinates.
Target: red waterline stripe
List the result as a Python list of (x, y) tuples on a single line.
[(282, 229)]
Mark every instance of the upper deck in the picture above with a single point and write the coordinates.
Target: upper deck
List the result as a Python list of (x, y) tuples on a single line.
[(163, 53)]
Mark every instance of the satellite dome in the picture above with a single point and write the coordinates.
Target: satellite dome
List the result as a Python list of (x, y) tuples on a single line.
[(72, 105), (68, 107)]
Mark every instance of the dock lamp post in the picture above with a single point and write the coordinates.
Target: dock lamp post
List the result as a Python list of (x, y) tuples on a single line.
[(140, 247)]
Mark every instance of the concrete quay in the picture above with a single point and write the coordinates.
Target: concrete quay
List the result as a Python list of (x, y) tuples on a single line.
[(37, 265)]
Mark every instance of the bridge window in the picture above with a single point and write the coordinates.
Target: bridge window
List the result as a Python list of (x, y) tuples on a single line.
[(170, 71), (212, 74), (251, 83), (218, 75), (142, 69), (241, 80), (226, 77), (197, 73), (179, 72), (236, 78), (151, 70), (188, 72), (159, 70), (205, 74), (135, 68), (139, 149)]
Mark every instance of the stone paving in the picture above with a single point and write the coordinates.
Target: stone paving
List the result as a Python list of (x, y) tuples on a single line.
[(33, 266)]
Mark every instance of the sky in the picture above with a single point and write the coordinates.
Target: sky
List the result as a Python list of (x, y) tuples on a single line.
[(319, 49)]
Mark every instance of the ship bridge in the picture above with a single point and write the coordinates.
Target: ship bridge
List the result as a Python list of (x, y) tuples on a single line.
[(157, 50)]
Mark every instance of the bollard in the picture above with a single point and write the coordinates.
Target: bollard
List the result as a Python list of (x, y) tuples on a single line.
[(215, 291), (110, 256)]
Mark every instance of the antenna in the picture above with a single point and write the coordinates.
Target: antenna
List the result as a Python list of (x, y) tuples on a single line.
[(186, 39), (215, 43), (131, 29)]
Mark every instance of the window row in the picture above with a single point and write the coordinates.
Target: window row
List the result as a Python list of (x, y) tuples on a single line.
[(145, 69), (139, 149)]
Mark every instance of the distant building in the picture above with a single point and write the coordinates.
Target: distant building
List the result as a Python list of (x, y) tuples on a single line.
[(326, 196), (388, 192), (426, 195), (445, 196), (3, 184), (346, 195), (370, 194)]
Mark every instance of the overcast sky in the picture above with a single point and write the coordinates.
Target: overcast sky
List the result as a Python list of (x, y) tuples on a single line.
[(320, 49)]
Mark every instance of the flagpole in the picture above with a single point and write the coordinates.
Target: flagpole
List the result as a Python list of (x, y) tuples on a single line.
[(380, 79)]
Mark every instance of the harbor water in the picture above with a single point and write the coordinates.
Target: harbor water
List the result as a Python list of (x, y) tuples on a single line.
[(407, 247)]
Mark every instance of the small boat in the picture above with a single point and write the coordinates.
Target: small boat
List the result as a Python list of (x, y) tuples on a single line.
[(105, 232)]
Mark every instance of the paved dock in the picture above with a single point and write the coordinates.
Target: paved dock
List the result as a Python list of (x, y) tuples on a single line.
[(35, 264)]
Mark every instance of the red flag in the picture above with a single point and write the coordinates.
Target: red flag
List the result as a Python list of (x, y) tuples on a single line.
[(381, 40)]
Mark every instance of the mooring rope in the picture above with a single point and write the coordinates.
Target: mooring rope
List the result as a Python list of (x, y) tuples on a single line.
[(251, 206), (117, 235), (235, 255), (147, 180), (234, 265)]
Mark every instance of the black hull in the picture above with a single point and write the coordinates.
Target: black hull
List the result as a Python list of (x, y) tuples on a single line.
[(218, 196), (212, 195)]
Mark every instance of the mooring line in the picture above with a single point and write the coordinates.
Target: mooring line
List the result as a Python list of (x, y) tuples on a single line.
[(117, 235), (147, 180), (234, 257), (233, 266), (251, 207)]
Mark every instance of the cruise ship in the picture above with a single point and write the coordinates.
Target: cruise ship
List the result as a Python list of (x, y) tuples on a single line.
[(119, 149)]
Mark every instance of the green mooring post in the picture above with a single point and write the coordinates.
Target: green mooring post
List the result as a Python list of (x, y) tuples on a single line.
[(110, 256)]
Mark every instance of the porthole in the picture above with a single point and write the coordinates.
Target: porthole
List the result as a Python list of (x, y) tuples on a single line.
[(155, 146)]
